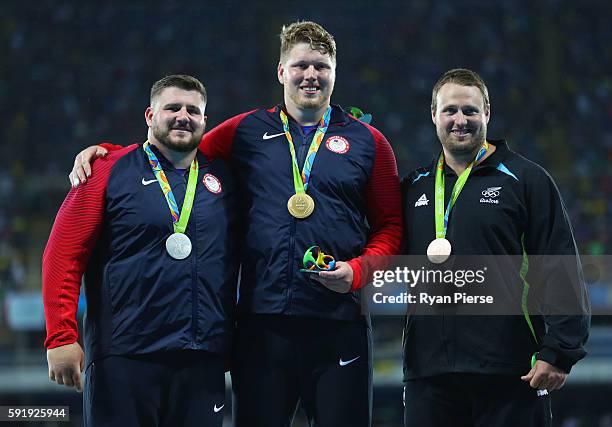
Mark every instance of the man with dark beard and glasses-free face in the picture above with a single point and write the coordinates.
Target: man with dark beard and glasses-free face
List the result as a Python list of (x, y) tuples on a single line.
[(498, 370), (152, 235), (302, 336)]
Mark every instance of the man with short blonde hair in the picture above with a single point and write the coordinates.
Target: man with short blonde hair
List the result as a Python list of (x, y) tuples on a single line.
[(488, 202), (307, 32)]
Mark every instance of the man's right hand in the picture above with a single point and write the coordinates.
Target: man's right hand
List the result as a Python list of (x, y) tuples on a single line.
[(82, 164), (66, 364)]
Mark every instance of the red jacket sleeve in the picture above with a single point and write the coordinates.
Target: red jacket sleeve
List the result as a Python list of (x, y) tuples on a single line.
[(384, 213), (217, 143), (73, 238), (112, 147)]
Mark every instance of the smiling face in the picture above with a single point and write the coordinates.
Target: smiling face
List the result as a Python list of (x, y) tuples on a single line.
[(176, 118), (308, 77), (461, 117)]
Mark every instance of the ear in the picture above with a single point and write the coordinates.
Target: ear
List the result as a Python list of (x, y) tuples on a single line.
[(433, 116), (488, 112), (149, 116), (204, 122), (280, 71)]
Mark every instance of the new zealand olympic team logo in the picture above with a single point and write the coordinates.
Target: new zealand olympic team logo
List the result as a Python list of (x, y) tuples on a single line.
[(491, 192), (212, 183), (337, 144)]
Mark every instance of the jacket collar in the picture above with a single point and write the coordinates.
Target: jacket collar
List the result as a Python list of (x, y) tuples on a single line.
[(338, 115), (501, 152), (167, 165)]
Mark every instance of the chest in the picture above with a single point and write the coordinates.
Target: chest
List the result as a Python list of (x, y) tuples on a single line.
[(490, 211), (137, 206), (342, 163)]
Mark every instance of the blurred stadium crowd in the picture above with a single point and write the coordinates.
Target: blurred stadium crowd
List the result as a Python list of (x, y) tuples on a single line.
[(73, 74)]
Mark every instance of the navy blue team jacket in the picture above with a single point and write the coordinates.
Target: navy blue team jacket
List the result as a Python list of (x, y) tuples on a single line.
[(139, 299), (355, 186)]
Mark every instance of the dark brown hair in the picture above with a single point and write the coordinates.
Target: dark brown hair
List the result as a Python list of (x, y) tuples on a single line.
[(181, 81)]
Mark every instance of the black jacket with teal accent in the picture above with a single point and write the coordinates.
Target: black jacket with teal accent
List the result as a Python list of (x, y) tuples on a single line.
[(509, 206)]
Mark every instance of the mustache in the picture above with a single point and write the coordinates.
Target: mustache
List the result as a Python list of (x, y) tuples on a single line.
[(174, 125)]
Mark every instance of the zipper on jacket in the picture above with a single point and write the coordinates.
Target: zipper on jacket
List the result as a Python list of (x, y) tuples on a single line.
[(194, 270), (194, 283), (301, 159), (301, 154), (290, 269), (303, 150)]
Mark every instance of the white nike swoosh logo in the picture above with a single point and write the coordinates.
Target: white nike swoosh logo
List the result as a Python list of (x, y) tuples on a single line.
[(343, 363), (219, 408), (151, 181), (266, 136)]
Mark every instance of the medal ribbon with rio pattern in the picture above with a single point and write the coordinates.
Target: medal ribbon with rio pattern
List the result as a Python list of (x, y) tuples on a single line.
[(179, 221), (442, 216), (300, 183)]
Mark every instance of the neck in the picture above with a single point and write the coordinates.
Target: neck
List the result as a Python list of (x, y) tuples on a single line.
[(459, 162), (305, 117), (179, 159)]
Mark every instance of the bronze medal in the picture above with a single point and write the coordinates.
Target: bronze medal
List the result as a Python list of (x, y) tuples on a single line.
[(300, 205), (439, 250)]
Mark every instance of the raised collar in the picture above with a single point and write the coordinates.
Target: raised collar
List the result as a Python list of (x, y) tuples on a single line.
[(501, 152), (338, 115)]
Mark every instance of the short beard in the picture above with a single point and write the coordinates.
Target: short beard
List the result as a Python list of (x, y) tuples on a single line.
[(460, 149), (185, 147)]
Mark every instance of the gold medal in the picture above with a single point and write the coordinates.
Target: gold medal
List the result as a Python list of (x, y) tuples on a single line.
[(300, 205)]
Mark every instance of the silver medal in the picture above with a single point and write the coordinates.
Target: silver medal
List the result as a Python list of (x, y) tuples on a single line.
[(439, 250), (178, 246)]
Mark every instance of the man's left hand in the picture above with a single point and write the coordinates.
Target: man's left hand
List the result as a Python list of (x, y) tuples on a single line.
[(339, 280), (543, 375)]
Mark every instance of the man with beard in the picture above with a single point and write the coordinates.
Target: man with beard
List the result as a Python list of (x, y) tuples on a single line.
[(152, 236), (487, 201), (302, 336)]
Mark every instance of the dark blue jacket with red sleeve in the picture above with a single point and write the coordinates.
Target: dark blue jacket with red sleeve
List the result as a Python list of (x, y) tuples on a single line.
[(139, 299), (355, 186)]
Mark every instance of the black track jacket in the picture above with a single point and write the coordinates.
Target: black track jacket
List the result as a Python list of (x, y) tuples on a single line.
[(509, 206)]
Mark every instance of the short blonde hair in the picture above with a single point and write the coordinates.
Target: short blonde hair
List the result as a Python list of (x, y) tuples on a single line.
[(307, 32), (462, 77)]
